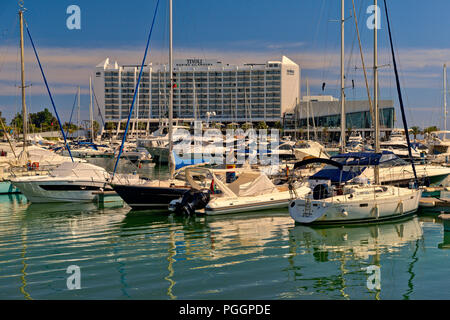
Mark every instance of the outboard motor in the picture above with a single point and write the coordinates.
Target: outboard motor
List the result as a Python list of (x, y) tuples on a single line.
[(191, 201)]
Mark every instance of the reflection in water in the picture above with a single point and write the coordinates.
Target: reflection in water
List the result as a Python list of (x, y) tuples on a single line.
[(360, 244), (170, 267), (214, 238), (25, 265), (410, 271), (446, 241), (261, 255)]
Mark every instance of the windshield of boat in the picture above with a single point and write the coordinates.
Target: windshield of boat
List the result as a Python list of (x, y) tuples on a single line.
[(302, 145), (385, 160)]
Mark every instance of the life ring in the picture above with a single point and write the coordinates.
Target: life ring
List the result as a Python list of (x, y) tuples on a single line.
[(35, 165)]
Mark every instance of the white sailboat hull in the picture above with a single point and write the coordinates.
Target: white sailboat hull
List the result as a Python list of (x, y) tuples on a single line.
[(393, 204)]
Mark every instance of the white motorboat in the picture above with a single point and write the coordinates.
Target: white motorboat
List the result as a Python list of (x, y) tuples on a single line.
[(398, 145), (309, 149), (392, 169), (438, 147), (215, 192), (69, 182)]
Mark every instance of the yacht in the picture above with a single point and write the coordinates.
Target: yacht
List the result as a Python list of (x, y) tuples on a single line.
[(69, 182), (438, 146), (157, 143), (355, 137), (392, 169), (156, 194), (398, 145), (309, 149)]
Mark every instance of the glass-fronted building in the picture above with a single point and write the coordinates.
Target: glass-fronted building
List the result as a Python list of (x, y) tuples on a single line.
[(325, 112)]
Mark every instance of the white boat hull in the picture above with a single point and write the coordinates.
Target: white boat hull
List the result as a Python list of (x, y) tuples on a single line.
[(71, 191), (276, 200), (372, 209)]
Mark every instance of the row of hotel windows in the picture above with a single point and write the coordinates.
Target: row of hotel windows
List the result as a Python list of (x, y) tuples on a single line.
[(156, 74), (199, 102), (183, 88), (114, 92), (190, 83), (192, 79), (217, 94), (177, 113)]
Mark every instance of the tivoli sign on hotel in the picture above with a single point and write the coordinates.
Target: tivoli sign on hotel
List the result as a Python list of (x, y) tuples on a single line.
[(194, 62)]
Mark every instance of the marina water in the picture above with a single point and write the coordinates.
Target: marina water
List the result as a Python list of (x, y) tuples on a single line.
[(143, 255)]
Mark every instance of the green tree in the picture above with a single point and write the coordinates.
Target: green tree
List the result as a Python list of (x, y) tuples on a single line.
[(415, 131), (72, 128), (17, 122), (430, 129), (246, 126), (262, 125), (44, 119), (110, 126), (278, 125)]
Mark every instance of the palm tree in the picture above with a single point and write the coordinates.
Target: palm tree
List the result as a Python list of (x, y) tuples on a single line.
[(415, 131), (430, 129), (262, 125)]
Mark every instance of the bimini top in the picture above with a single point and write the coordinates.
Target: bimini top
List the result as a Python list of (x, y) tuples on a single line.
[(367, 158), (303, 163), (354, 163)]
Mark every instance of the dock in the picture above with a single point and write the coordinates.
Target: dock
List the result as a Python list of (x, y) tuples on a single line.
[(108, 199)]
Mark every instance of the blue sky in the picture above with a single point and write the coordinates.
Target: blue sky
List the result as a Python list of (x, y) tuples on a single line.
[(234, 31)]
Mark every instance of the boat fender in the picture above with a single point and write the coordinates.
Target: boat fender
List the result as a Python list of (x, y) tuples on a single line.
[(344, 213)]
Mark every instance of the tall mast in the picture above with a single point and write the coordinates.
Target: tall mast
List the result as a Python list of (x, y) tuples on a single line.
[(24, 107), (307, 109), (171, 163), (342, 79), (375, 91), (78, 120), (445, 100), (91, 116)]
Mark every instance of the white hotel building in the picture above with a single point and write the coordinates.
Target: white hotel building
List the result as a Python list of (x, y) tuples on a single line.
[(229, 93)]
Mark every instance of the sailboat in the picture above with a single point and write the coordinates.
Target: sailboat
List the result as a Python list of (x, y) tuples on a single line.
[(31, 160), (357, 202), (71, 181), (157, 194), (308, 148)]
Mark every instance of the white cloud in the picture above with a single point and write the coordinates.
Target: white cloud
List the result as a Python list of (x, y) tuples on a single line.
[(67, 68)]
